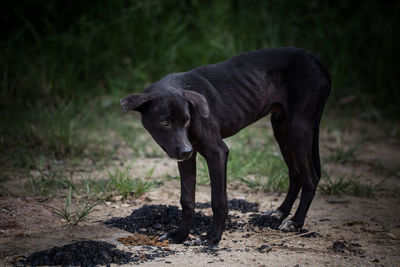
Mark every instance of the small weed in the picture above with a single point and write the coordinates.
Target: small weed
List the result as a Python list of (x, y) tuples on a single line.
[(4, 191), (118, 182), (335, 187), (202, 177), (121, 182), (363, 190), (379, 167), (277, 181), (97, 188), (387, 226), (242, 163), (348, 185), (171, 178), (73, 212), (45, 182), (343, 155)]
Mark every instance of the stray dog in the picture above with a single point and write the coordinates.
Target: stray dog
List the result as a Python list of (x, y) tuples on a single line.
[(193, 111)]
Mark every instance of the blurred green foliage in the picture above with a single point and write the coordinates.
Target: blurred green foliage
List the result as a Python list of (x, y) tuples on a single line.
[(77, 52), (70, 48)]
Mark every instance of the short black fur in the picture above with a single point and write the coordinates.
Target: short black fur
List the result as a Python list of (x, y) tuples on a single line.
[(193, 111)]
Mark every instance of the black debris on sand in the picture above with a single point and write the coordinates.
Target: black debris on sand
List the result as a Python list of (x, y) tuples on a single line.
[(264, 221), (347, 247), (233, 204), (159, 219), (211, 250), (151, 253), (303, 233), (83, 253), (264, 249)]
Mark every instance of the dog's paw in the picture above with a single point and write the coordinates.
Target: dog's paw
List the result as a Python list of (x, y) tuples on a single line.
[(288, 225), (176, 237), (274, 214), (212, 238)]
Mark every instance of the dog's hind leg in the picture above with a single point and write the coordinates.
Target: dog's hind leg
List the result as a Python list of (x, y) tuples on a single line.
[(302, 138), (281, 134), (187, 171)]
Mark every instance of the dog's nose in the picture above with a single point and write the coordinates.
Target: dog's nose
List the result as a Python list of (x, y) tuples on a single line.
[(186, 151)]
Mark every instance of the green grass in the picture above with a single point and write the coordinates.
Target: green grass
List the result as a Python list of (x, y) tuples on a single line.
[(117, 183), (253, 159), (348, 184), (58, 130), (202, 175), (125, 186), (48, 182), (62, 75), (75, 210), (344, 154), (91, 49), (387, 227)]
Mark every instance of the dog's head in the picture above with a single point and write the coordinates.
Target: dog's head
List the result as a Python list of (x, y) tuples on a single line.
[(167, 117)]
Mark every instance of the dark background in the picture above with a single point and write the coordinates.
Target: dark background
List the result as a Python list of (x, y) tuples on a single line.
[(65, 64)]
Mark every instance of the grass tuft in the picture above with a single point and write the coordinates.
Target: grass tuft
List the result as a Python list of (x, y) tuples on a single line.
[(117, 183), (344, 155), (74, 211), (346, 184), (47, 182)]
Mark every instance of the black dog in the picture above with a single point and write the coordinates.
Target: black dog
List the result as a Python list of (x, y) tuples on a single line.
[(193, 111)]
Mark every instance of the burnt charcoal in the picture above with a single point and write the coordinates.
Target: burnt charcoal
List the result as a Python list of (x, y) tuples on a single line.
[(149, 219), (264, 221), (264, 249), (83, 253), (346, 247), (233, 204), (159, 219), (242, 205), (311, 234), (339, 246)]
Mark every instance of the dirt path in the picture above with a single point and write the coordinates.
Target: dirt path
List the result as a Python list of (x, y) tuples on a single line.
[(358, 222), (349, 230)]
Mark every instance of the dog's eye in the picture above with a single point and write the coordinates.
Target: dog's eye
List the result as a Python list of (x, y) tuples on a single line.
[(187, 122), (165, 123)]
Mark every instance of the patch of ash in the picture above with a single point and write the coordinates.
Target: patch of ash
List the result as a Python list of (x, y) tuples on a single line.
[(83, 253), (159, 219), (347, 247), (303, 233), (264, 249), (211, 250), (150, 253), (264, 221), (234, 204)]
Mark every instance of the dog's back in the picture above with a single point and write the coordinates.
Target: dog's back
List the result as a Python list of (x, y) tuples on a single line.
[(247, 87)]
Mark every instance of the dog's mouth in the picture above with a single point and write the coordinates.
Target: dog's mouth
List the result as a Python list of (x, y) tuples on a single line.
[(177, 159), (180, 159)]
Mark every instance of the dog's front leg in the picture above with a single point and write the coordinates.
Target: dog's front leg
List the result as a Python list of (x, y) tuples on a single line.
[(216, 157), (187, 171)]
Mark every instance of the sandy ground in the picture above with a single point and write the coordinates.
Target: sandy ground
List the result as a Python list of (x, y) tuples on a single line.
[(369, 226)]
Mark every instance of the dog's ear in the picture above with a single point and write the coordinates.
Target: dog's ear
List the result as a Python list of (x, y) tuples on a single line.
[(198, 101), (137, 102)]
